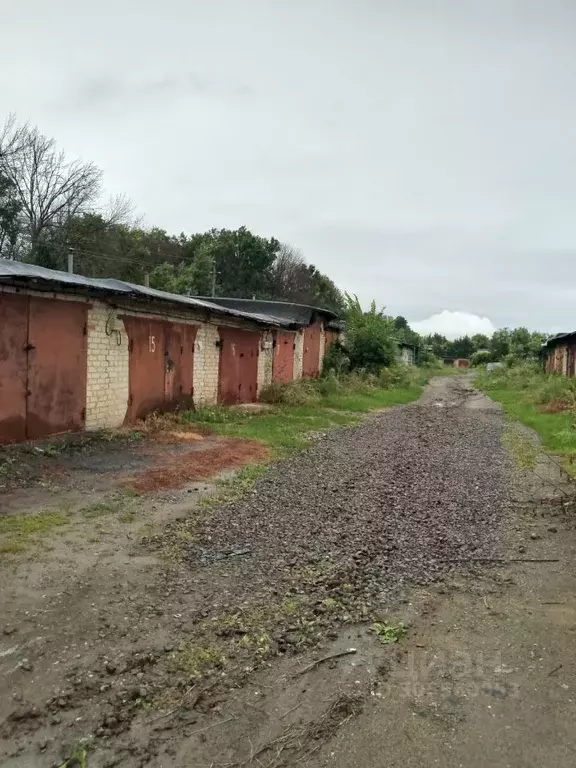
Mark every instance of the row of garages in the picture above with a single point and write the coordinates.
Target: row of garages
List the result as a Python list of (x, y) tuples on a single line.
[(77, 353)]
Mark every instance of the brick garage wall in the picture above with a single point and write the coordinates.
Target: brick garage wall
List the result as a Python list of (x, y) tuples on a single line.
[(322, 347), (206, 365), (108, 364), (265, 361), (298, 354)]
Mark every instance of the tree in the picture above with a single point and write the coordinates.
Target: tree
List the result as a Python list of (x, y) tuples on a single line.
[(461, 347), (480, 341), (10, 224), (500, 343), (292, 279), (520, 339), (370, 336), (401, 323), (243, 261), (437, 344), (49, 188), (325, 293)]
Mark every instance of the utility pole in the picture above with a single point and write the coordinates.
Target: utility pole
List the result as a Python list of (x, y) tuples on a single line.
[(213, 278), (71, 261), (147, 280)]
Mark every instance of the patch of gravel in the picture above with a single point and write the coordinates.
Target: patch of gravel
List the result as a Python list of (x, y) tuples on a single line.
[(394, 501)]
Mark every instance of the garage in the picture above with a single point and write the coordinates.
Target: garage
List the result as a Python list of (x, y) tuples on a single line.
[(238, 370), (161, 366), (42, 367), (283, 363)]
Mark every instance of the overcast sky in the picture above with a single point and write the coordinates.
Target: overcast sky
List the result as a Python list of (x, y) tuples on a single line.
[(421, 152)]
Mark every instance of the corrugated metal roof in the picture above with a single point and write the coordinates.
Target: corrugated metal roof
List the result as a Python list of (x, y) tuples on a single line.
[(558, 337), (17, 272), (299, 314)]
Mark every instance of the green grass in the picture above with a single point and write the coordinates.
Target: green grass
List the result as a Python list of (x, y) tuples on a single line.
[(328, 403), (364, 402), (525, 393), (282, 429), (556, 430), (18, 531), (101, 508)]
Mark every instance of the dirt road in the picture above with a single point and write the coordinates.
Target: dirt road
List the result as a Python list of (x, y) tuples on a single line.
[(412, 550)]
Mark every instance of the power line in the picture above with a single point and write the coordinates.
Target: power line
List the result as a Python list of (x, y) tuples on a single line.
[(111, 257)]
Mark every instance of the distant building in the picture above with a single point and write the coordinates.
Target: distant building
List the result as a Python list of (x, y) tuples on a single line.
[(407, 353), (560, 353)]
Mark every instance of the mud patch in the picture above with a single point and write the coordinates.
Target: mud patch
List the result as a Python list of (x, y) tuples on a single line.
[(175, 469)]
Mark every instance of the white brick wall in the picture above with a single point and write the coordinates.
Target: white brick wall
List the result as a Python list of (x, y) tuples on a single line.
[(298, 354), (206, 365), (265, 361), (108, 362), (322, 347), (108, 357)]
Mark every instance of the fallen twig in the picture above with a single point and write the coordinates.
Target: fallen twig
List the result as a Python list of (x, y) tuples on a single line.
[(192, 703), (214, 725), (323, 659), (290, 710), (556, 669)]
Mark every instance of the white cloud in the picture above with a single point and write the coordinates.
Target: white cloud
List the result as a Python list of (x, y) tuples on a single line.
[(453, 324)]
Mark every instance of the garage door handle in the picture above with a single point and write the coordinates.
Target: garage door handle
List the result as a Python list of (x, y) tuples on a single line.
[(29, 347)]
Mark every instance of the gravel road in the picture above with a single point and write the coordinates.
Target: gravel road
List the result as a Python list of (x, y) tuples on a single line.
[(317, 551), (396, 500)]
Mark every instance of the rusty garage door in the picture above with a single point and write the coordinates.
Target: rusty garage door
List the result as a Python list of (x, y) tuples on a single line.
[(56, 367), (161, 365), (311, 357), (238, 376), (42, 367), (179, 342), (283, 365), (13, 367)]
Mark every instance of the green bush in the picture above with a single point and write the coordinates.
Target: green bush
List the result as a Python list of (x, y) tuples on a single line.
[(370, 337), (300, 392), (399, 376), (336, 359), (481, 357), (531, 382), (370, 348)]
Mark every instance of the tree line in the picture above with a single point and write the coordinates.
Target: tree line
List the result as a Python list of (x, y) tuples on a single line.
[(52, 207), (505, 345), (373, 338)]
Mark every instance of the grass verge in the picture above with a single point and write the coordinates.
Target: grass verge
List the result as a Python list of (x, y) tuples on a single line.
[(17, 532), (299, 409), (543, 402)]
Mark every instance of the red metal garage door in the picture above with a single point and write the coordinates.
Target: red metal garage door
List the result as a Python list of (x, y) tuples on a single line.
[(13, 367), (161, 365), (238, 376), (283, 365), (146, 367), (311, 357), (56, 367), (179, 364)]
